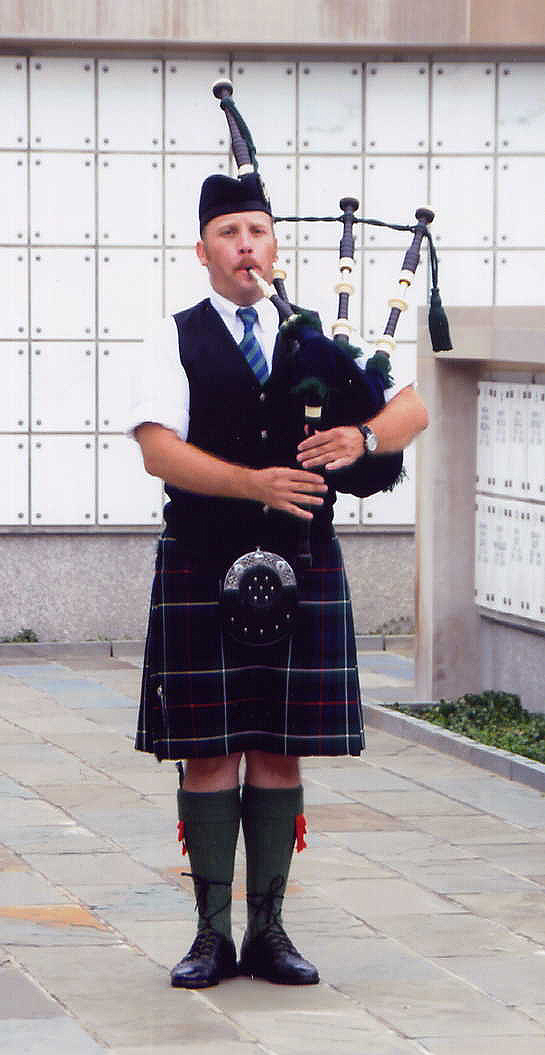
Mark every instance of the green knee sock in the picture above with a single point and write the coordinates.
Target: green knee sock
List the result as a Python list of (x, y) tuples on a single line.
[(268, 822), (211, 820)]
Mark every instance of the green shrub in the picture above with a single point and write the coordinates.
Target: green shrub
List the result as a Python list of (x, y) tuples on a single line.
[(493, 718)]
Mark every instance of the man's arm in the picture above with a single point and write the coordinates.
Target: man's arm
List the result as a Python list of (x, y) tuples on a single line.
[(395, 426), (183, 465)]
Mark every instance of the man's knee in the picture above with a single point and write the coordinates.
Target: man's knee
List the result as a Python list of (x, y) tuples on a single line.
[(212, 774), (267, 770)]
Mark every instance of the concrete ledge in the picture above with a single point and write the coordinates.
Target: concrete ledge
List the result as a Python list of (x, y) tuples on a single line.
[(384, 642), (127, 648), (369, 642), (54, 649), (495, 760)]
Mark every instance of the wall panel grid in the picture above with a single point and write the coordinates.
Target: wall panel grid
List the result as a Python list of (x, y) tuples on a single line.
[(510, 499), (101, 161)]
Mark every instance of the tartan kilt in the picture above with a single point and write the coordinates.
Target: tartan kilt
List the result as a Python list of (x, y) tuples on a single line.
[(205, 695)]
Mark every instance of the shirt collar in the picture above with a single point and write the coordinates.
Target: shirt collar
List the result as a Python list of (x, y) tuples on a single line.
[(266, 311)]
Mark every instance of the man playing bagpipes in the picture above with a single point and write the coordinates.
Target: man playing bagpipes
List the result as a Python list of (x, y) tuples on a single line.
[(218, 417)]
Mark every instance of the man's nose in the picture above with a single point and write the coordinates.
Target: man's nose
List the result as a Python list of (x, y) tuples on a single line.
[(245, 244)]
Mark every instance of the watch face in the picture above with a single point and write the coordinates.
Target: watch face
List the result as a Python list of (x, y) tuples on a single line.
[(371, 441)]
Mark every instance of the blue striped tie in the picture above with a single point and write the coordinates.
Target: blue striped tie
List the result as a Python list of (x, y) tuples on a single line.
[(250, 346)]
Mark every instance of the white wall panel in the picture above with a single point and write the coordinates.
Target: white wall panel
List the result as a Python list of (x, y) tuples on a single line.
[(521, 107), (265, 94), (466, 277), (323, 182), (13, 102), (63, 480), (193, 118), (13, 292), (485, 452), (129, 292), (14, 183), (330, 110), (114, 365), (63, 293), (403, 364), (186, 280), (463, 95), (536, 443), (462, 196), (500, 598), (280, 177), (130, 199), (394, 189), (62, 199), (519, 588), (500, 435), (397, 506), (536, 561), (516, 475), (483, 550), (519, 277), (62, 103), (396, 110), (130, 104), (127, 494), (346, 510), (381, 271), (521, 208), (14, 387), (13, 479), (184, 176), (318, 275), (62, 387)]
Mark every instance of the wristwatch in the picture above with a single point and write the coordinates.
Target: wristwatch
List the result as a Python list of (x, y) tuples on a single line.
[(370, 439)]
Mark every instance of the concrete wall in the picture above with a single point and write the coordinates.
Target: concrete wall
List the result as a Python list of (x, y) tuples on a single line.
[(460, 649), (75, 587), (329, 23)]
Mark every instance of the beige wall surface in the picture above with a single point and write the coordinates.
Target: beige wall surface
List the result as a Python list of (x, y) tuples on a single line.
[(328, 23)]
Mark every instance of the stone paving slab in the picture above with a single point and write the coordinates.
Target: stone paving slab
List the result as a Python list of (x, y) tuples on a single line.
[(441, 935), (16, 990), (43, 1036), (420, 896)]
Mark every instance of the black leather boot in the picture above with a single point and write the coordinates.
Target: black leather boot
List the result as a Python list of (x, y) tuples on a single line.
[(211, 958), (212, 955)]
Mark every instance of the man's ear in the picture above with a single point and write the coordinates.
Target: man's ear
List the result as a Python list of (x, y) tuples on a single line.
[(201, 253)]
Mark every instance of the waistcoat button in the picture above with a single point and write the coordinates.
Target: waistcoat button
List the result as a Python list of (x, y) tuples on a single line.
[(262, 397), (264, 434)]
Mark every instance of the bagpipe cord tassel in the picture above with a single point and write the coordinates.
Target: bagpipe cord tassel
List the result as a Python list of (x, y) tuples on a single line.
[(437, 319)]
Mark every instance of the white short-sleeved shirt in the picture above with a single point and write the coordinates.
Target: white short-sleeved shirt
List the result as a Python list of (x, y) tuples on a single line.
[(159, 389)]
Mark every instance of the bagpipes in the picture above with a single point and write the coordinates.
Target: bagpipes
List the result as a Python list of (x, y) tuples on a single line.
[(325, 377), (334, 388)]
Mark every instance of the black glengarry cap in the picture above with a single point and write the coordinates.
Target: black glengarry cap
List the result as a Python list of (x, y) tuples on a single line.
[(221, 195)]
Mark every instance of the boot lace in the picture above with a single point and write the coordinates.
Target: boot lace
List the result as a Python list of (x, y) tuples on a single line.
[(270, 904), (206, 936)]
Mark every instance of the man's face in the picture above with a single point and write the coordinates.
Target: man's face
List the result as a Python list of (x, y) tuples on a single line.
[(233, 243)]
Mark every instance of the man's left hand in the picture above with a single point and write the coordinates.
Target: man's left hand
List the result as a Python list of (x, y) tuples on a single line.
[(335, 448)]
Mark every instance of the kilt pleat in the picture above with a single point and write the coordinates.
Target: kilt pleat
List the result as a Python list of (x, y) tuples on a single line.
[(205, 695)]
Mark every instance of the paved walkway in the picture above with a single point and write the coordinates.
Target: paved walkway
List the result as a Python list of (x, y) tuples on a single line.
[(421, 896)]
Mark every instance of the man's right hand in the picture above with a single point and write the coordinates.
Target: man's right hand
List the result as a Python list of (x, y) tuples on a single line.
[(288, 490)]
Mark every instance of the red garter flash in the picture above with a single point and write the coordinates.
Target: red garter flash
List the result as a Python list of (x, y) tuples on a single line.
[(181, 836), (300, 832)]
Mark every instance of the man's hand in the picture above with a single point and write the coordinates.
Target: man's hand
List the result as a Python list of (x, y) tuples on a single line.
[(289, 490), (335, 448)]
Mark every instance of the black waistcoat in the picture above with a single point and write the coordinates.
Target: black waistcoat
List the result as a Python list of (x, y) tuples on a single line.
[(233, 417)]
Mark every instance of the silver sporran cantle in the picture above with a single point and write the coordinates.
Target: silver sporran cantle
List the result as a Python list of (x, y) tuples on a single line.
[(259, 600)]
